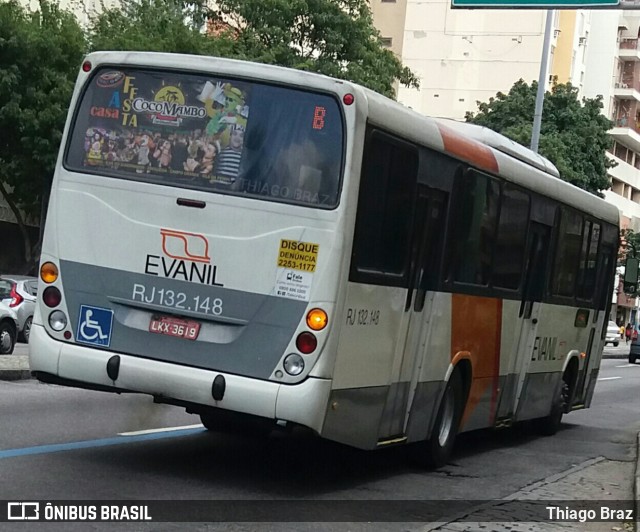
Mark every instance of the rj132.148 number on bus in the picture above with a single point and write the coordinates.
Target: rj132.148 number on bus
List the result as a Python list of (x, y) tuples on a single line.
[(177, 300)]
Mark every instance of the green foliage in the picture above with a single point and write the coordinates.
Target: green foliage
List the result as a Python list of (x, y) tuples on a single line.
[(39, 56), (40, 52), (333, 37), (573, 134), (629, 245), (157, 26)]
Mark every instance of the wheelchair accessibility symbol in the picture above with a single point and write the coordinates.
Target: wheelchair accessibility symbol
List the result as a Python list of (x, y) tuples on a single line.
[(94, 326)]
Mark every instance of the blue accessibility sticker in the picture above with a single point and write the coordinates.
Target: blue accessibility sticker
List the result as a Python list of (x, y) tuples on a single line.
[(94, 326)]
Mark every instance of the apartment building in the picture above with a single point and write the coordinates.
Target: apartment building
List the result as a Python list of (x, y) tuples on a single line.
[(613, 70)]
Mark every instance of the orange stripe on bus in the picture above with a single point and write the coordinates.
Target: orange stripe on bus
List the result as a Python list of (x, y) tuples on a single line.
[(476, 327), (469, 150)]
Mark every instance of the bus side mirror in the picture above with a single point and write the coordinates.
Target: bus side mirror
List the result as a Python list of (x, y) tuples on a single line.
[(631, 267)]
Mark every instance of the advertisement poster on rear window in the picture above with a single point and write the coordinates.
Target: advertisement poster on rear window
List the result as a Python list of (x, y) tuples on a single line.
[(169, 125)]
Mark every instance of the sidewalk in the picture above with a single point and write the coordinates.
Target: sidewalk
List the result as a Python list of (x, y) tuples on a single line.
[(14, 367), (592, 485), (622, 351)]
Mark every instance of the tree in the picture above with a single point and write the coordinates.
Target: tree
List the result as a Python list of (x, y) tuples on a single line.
[(333, 37), (40, 52), (156, 26), (573, 135), (629, 245)]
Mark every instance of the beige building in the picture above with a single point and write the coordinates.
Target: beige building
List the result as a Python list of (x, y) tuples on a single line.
[(463, 56)]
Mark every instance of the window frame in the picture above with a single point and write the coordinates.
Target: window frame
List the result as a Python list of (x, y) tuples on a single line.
[(357, 273), (220, 191)]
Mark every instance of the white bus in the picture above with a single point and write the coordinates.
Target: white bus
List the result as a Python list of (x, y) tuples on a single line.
[(259, 244)]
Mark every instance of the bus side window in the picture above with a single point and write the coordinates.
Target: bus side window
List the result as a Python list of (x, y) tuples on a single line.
[(568, 245), (588, 261), (609, 243), (385, 204), (508, 262), (474, 220)]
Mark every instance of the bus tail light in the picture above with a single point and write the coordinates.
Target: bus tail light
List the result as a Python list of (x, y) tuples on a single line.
[(294, 364), (49, 272), (317, 319), (306, 342), (57, 320), (51, 296)]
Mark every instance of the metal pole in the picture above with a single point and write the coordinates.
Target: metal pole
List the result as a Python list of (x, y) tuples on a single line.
[(542, 82)]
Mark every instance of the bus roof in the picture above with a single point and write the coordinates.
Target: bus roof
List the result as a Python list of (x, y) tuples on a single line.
[(501, 143), (233, 67), (487, 150)]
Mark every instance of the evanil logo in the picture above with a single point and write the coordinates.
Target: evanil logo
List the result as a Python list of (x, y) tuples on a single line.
[(185, 256)]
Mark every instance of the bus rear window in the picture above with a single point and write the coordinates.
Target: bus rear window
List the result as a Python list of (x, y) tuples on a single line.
[(210, 133)]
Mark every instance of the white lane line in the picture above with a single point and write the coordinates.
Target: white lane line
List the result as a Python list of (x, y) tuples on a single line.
[(629, 366), (609, 378), (167, 429)]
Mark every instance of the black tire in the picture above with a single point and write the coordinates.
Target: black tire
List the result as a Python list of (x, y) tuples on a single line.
[(632, 359), (233, 423), (7, 338), (26, 330), (436, 451), (548, 426), (615, 344)]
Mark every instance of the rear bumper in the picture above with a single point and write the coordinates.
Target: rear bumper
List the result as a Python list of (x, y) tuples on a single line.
[(304, 403)]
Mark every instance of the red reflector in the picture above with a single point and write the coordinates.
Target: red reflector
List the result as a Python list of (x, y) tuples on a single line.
[(67, 335), (348, 99), (51, 296), (16, 298), (306, 343), (86, 66)]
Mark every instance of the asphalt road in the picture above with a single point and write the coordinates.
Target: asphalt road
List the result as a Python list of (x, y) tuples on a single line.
[(63, 443)]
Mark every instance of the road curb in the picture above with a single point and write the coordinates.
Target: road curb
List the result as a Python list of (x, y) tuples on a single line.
[(15, 374)]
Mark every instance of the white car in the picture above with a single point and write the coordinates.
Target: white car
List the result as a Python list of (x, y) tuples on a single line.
[(8, 329), (613, 334)]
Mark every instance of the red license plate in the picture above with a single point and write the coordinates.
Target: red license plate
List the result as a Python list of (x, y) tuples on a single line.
[(170, 326)]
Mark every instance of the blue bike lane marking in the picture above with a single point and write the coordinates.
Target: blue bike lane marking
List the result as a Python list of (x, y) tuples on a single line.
[(104, 442)]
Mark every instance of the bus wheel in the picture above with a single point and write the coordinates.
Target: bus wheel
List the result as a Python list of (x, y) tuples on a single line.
[(232, 423), (548, 426), (435, 451)]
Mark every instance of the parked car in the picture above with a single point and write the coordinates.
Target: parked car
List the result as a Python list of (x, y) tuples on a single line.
[(634, 351), (8, 329), (19, 293), (613, 334)]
